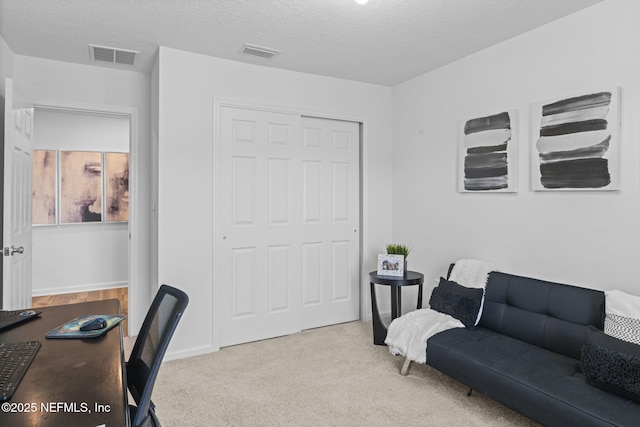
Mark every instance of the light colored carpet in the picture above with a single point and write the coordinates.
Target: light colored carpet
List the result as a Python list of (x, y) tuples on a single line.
[(332, 376)]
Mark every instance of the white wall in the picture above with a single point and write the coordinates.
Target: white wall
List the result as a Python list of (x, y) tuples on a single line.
[(155, 110), (188, 84), (6, 63), (55, 83), (69, 258), (590, 239)]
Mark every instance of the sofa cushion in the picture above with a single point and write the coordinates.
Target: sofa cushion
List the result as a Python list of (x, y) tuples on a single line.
[(457, 301), (525, 362), (622, 318), (612, 364), (540, 384), (550, 315)]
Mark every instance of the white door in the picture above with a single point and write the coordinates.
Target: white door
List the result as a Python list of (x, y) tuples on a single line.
[(288, 209), (330, 224), (259, 225), (16, 267)]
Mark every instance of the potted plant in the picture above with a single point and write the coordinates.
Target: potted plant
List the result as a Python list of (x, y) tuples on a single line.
[(397, 249)]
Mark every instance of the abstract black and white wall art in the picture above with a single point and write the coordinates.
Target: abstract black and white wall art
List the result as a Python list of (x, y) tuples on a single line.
[(576, 145), (488, 153)]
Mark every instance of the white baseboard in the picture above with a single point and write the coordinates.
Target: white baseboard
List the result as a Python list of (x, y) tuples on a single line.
[(188, 353), (79, 288)]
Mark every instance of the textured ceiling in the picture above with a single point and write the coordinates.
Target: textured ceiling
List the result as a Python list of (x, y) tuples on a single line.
[(384, 42)]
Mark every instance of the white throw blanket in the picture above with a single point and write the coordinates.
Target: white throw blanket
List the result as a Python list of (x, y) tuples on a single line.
[(408, 334), (471, 273)]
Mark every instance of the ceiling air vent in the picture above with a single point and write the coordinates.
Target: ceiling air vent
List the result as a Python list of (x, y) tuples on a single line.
[(113, 55), (262, 52)]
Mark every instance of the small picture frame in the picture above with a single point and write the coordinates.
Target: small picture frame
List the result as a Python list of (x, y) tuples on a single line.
[(390, 265)]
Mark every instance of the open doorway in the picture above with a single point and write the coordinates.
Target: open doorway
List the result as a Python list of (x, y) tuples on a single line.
[(86, 256)]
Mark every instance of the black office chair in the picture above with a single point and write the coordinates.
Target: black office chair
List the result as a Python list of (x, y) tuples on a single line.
[(152, 342)]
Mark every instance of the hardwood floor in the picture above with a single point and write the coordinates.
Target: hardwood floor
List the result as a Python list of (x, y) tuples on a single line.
[(121, 294)]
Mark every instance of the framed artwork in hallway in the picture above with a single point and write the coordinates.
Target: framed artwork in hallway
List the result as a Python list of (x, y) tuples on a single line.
[(80, 187), (116, 171), (44, 187)]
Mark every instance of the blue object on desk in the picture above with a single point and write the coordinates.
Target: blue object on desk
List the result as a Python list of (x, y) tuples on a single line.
[(73, 329)]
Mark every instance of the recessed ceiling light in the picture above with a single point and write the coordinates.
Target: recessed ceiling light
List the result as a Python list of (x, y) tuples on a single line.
[(362, 1)]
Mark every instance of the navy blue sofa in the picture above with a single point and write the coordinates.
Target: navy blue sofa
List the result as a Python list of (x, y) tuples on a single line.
[(525, 353)]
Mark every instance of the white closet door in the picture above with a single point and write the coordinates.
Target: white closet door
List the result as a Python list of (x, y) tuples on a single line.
[(330, 222), (259, 224), (288, 216)]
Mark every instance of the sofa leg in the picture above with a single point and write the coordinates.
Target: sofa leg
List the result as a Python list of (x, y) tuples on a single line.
[(469, 392), (405, 367)]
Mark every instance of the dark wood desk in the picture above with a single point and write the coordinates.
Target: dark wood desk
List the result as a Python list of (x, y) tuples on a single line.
[(71, 382)]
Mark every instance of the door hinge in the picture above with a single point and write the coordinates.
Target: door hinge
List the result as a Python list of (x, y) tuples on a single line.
[(6, 251)]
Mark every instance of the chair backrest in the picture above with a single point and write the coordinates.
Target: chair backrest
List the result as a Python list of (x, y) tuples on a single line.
[(150, 346)]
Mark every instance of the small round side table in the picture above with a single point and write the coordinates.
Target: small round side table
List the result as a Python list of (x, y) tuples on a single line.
[(412, 278)]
